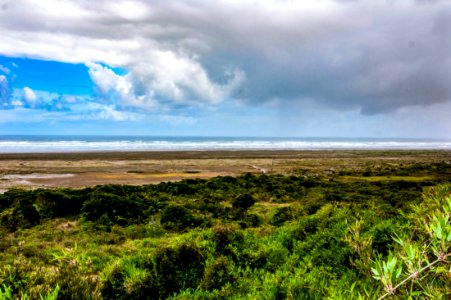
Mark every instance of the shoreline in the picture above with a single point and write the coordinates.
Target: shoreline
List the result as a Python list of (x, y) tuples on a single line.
[(218, 154)]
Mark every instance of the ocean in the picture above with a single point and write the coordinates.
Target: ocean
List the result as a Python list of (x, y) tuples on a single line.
[(45, 144)]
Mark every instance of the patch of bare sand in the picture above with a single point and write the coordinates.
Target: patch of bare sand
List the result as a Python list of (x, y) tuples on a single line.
[(65, 226), (32, 180), (97, 178), (35, 176)]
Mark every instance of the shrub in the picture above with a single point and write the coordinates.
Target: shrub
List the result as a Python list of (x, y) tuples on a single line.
[(178, 268), (22, 213), (57, 203), (251, 220), (225, 235), (282, 215), (120, 210), (176, 217), (422, 262), (217, 274), (382, 237), (125, 280), (243, 202)]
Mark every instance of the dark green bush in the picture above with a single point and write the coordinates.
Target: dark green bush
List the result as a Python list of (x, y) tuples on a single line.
[(57, 204), (225, 236), (252, 220), (383, 234), (178, 268), (21, 213), (217, 274), (243, 202), (282, 215), (176, 217), (120, 210)]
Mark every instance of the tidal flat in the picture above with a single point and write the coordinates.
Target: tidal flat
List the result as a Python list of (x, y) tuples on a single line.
[(83, 169)]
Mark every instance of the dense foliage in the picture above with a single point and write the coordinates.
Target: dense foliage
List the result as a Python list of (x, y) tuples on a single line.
[(348, 235)]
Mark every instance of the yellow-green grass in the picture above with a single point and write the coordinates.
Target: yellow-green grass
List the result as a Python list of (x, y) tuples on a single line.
[(387, 178)]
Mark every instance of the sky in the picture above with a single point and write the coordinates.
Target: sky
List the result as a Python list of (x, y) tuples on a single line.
[(310, 68)]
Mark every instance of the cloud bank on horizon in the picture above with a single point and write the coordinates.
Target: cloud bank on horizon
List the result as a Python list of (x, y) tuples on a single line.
[(177, 59)]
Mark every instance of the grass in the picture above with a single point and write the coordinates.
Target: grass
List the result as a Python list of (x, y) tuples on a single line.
[(387, 178)]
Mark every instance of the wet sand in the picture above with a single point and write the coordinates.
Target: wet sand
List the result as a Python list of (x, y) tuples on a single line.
[(87, 169)]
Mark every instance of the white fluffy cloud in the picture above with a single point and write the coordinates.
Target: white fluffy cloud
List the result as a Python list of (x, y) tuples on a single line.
[(124, 34), (164, 77), (29, 96), (181, 78)]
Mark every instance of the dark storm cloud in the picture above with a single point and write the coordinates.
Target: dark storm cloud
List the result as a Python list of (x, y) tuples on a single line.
[(376, 56)]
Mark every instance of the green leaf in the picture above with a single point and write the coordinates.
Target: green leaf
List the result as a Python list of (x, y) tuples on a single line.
[(410, 252), (398, 239), (376, 274), (391, 263), (438, 231), (398, 272)]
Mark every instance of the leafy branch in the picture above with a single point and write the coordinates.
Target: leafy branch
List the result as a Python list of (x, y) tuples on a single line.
[(434, 213)]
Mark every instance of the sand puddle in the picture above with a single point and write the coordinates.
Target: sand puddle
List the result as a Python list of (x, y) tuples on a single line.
[(35, 176), (30, 180)]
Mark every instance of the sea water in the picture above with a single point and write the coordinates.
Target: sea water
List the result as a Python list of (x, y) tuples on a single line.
[(43, 144)]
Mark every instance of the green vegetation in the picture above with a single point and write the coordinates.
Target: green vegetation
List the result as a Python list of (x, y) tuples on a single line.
[(339, 236)]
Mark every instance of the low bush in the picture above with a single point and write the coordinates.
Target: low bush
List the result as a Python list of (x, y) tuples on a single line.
[(176, 217), (178, 268)]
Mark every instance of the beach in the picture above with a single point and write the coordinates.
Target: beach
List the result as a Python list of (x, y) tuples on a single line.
[(83, 169)]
